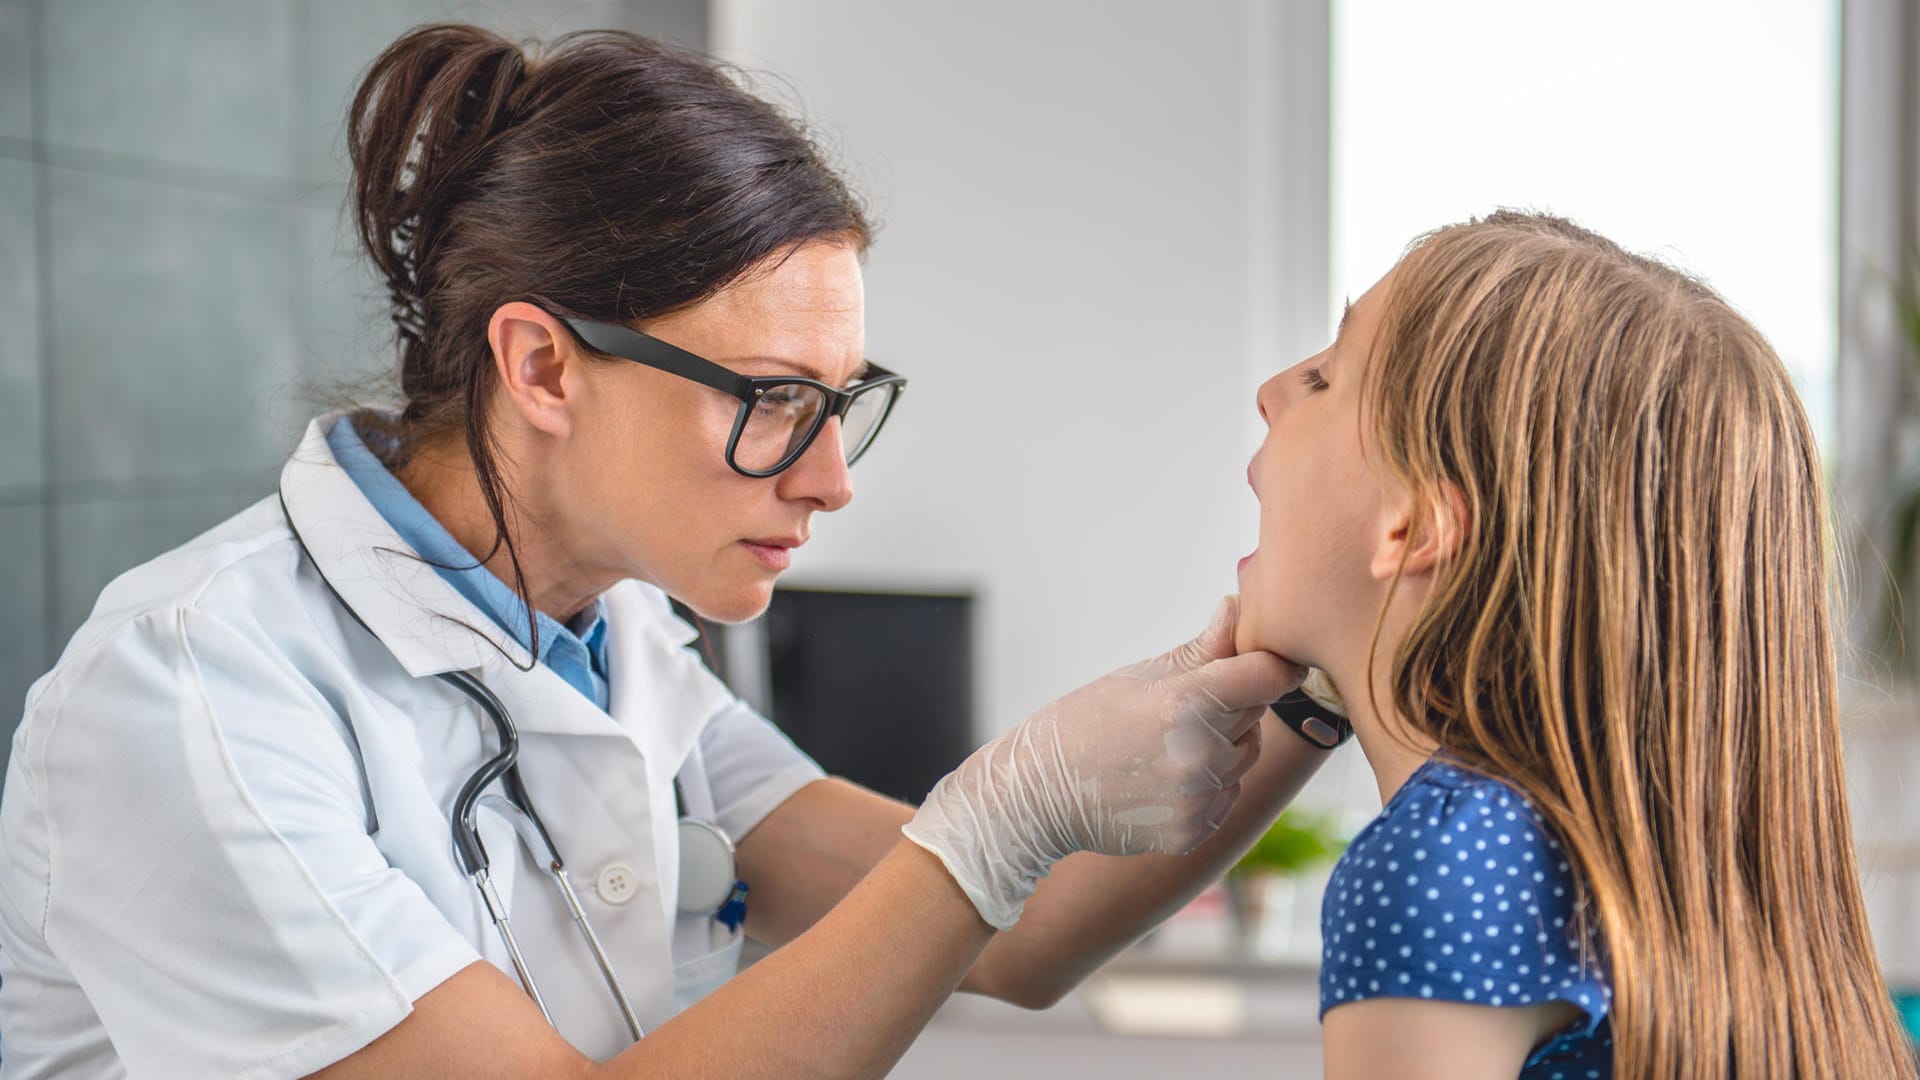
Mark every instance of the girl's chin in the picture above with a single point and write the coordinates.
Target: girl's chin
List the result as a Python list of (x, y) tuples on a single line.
[(1245, 639), (1249, 636)]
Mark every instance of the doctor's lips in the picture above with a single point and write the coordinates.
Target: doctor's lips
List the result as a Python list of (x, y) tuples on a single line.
[(775, 553)]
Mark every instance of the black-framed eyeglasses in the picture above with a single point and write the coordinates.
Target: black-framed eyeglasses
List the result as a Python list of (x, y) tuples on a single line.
[(779, 417)]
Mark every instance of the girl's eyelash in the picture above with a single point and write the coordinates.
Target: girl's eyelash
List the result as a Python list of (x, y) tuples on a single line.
[(1313, 379)]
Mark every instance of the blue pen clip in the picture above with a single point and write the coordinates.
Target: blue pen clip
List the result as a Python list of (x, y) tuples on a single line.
[(734, 911)]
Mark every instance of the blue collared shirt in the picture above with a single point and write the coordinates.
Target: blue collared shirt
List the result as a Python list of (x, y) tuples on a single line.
[(577, 655)]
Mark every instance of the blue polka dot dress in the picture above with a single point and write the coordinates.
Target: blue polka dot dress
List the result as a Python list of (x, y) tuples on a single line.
[(1457, 892)]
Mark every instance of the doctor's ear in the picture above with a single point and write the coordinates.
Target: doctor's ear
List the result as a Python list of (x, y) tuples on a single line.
[(539, 364), (1422, 534)]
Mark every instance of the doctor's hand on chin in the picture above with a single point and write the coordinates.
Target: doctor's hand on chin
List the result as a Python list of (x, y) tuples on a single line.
[(1146, 760)]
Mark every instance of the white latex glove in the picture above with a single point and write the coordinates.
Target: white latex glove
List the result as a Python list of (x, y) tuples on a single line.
[(1147, 759)]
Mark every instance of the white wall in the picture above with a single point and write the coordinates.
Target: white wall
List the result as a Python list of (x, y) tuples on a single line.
[(1104, 224), (1735, 100)]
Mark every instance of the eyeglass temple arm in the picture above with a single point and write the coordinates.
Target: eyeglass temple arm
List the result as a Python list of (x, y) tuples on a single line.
[(629, 344)]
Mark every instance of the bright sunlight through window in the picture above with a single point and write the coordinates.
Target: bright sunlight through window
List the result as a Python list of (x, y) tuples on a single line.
[(1702, 131)]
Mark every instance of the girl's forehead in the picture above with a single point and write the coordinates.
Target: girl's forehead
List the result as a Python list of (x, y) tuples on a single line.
[(1359, 322)]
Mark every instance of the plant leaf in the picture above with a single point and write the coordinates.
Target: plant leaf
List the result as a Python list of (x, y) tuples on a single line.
[(1298, 840)]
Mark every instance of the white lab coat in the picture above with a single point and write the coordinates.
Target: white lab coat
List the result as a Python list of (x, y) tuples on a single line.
[(188, 886)]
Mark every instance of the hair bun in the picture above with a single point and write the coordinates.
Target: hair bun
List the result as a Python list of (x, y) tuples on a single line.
[(426, 115)]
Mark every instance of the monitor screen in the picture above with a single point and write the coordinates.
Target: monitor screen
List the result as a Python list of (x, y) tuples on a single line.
[(877, 687)]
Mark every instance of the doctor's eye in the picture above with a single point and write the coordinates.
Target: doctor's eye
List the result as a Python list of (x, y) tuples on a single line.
[(1313, 379), (788, 400)]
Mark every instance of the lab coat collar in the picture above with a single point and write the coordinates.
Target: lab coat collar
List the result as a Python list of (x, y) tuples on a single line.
[(430, 628), (427, 625)]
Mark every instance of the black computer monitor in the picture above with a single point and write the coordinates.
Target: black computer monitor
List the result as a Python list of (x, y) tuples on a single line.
[(876, 686)]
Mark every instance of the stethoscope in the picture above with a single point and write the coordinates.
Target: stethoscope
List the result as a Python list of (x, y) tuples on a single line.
[(708, 872)]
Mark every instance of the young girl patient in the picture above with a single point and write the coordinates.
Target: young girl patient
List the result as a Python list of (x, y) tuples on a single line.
[(1549, 517)]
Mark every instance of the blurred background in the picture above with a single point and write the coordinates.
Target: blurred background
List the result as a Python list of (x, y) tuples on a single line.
[(1104, 224)]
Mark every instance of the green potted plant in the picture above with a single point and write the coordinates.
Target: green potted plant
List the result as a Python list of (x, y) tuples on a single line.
[(1267, 883)]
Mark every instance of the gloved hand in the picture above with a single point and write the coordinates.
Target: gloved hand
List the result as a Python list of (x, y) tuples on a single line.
[(1147, 759)]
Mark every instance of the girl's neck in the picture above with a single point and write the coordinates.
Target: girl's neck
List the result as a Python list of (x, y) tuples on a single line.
[(1357, 654), (1392, 748), (1391, 759)]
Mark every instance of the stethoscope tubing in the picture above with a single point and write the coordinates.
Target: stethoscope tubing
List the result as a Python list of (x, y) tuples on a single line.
[(503, 766)]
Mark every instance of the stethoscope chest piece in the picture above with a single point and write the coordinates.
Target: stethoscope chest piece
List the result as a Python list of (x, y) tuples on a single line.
[(707, 873)]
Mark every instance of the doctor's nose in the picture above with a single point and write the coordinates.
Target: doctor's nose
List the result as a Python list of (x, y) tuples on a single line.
[(821, 476)]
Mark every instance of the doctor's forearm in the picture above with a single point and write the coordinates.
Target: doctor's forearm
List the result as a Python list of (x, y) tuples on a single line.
[(844, 999), (1092, 906)]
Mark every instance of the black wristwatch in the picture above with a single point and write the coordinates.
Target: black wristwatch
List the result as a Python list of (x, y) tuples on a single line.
[(1312, 721)]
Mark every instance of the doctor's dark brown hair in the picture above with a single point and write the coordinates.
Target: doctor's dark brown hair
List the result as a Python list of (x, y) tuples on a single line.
[(606, 176)]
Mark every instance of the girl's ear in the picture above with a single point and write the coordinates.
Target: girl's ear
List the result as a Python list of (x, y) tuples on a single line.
[(1414, 544)]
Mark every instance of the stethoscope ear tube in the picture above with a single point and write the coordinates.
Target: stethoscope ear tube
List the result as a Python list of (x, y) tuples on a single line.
[(466, 835), (473, 853), (466, 832), (497, 911), (533, 835)]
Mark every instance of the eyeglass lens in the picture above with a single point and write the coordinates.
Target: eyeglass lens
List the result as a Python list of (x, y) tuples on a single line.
[(785, 419)]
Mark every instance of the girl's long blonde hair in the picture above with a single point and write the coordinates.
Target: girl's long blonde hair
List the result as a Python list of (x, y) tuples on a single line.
[(1635, 632)]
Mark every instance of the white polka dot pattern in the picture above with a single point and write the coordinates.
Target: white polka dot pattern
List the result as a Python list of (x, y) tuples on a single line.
[(1457, 892)]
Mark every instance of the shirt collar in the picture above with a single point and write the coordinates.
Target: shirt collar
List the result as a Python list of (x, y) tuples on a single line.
[(579, 657)]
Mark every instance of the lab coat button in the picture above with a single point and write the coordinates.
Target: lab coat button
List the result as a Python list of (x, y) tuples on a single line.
[(616, 883)]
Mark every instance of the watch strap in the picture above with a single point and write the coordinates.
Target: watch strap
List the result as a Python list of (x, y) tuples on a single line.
[(1313, 721)]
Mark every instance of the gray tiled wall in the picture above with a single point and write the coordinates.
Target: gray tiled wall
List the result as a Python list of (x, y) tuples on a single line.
[(23, 601), (169, 330), (16, 101), (178, 290), (200, 83), (20, 429)]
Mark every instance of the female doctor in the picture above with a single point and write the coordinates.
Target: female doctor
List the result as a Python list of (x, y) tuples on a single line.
[(407, 770)]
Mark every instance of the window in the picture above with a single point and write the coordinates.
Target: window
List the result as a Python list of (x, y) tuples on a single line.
[(1702, 132)]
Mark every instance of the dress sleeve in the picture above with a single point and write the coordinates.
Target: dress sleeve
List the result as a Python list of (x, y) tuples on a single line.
[(752, 766), (208, 879), (1458, 895)]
